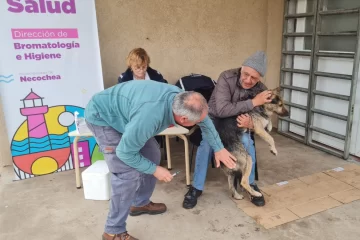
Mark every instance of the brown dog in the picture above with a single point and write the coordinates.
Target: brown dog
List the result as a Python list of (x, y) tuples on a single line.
[(231, 135)]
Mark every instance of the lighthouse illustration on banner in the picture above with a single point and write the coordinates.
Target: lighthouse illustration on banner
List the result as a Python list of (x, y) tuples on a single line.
[(41, 144), (36, 120)]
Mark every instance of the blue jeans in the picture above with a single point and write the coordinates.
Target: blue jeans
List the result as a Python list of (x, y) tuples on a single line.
[(203, 158)]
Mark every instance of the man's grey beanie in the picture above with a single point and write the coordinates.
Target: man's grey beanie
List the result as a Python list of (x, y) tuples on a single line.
[(257, 61)]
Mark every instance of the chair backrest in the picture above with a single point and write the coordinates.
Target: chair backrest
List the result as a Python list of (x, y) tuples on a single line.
[(198, 83), (196, 137)]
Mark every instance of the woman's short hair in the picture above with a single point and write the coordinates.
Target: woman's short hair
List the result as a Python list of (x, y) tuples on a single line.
[(138, 56)]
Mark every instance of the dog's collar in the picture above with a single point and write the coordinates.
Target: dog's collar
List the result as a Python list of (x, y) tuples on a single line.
[(261, 111)]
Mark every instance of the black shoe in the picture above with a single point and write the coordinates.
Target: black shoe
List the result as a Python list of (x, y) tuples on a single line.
[(191, 196), (257, 201)]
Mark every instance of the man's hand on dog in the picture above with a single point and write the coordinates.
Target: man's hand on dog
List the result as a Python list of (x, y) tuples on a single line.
[(226, 158), (244, 121), (262, 98)]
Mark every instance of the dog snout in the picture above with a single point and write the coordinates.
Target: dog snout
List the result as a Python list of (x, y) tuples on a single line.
[(284, 112)]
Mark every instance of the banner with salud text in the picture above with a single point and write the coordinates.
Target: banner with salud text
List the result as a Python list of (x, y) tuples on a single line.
[(50, 67)]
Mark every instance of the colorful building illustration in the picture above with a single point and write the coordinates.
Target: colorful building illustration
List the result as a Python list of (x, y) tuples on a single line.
[(41, 144), (84, 154)]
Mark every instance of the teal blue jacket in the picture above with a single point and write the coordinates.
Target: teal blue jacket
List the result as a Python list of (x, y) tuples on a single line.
[(140, 110)]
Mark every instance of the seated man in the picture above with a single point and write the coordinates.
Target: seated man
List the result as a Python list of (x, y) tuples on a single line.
[(138, 62), (232, 96)]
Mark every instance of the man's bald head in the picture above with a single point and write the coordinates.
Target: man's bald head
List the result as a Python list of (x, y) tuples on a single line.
[(191, 105)]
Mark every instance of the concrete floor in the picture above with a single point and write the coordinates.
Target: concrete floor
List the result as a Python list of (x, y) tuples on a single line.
[(50, 207)]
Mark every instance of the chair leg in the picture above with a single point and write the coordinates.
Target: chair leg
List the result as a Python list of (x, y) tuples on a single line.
[(213, 162), (161, 143), (164, 146), (256, 163), (191, 156), (256, 170)]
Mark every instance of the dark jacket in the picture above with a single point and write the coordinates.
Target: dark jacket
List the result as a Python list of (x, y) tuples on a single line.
[(229, 98), (153, 74)]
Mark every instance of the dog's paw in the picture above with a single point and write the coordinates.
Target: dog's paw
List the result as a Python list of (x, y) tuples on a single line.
[(238, 196), (269, 128), (274, 151), (257, 194)]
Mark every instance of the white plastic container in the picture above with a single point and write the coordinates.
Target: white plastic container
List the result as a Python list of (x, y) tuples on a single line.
[(96, 181)]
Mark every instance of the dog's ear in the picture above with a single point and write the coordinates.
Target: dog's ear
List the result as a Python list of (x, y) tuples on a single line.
[(277, 90), (275, 100)]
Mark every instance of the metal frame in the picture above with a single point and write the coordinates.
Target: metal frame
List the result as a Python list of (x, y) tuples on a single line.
[(288, 31), (355, 74), (315, 54)]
